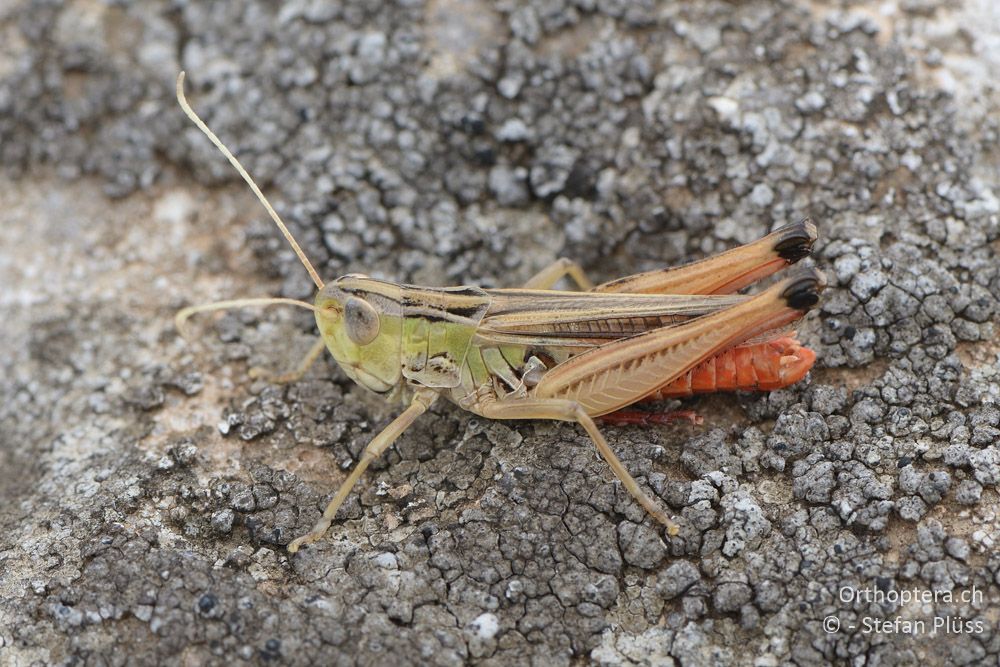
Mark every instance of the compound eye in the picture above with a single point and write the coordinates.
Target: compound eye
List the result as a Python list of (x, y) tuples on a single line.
[(360, 320)]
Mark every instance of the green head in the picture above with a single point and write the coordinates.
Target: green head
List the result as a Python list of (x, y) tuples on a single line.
[(360, 320)]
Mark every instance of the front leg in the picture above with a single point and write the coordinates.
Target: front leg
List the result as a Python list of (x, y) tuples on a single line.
[(183, 315), (421, 401), (295, 374)]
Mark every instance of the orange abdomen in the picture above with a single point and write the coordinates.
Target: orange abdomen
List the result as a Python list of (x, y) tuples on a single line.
[(763, 366)]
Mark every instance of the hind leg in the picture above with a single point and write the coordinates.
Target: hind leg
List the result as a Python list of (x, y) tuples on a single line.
[(727, 272)]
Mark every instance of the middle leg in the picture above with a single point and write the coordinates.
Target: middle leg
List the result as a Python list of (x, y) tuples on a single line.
[(563, 410), (558, 269)]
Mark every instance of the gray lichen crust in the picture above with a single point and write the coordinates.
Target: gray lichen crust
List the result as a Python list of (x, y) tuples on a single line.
[(149, 486)]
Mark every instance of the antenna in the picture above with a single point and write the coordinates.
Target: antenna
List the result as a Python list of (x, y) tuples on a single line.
[(184, 314), (246, 177)]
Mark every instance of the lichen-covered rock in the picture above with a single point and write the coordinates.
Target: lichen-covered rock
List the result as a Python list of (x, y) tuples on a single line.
[(149, 486)]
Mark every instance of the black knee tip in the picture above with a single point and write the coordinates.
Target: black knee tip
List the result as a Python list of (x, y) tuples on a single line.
[(796, 240), (803, 291)]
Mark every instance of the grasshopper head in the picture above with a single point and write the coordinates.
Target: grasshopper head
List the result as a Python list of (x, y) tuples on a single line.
[(360, 320)]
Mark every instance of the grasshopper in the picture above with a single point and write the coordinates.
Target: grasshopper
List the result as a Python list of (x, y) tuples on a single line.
[(539, 353)]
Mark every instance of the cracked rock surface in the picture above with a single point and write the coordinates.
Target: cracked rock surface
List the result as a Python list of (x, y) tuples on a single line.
[(149, 486)]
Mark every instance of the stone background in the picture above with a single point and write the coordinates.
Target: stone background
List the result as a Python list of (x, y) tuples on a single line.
[(148, 486)]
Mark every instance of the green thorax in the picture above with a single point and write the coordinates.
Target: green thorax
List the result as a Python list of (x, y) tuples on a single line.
[(439, 325), (385, 335)]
